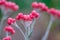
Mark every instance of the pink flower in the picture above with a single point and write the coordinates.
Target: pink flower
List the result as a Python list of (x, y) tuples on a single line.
[(52, 11), (10, 21), (42, 6), (9, 29), (2, 2), (34, 14), (35, 5), (11, 5), (7, 38), (19, 16), (27, 18)]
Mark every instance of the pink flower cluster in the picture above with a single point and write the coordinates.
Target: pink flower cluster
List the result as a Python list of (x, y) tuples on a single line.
[(10, 21), (43, 7), (40, 6), (29, 17), (9, 5), (10, 30), (54, 12)]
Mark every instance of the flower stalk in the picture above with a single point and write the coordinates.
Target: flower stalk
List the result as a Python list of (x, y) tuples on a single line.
[(48, 28)]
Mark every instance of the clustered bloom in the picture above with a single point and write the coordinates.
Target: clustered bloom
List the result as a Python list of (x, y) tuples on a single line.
[(9, 29), (34, 14), (9, 5), (43, 7), (10, 21), (54, 12), (40, 6), (29, 17)]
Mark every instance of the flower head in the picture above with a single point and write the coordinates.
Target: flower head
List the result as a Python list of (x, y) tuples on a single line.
[(27, 18), (42, 6), (35, 5), (7, 38), (34, 14), (52, 11), (11, 5), (10, 21), (9, 29), (19, 16)]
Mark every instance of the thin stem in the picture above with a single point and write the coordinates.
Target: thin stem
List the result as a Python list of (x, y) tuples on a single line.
[(1, 24), (19, 29), (27, 27), (29, 31), (3, 18), (26, 33), (30, 28), (22, 22), (48, 28), (7, 34), (32, 25)]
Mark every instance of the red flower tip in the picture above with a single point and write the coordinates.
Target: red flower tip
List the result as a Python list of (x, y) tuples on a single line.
[(9, 29), (19, 16), (52, 11), (35, 5), (34, 14), (7, 38), (10, 21), (27, 18)]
